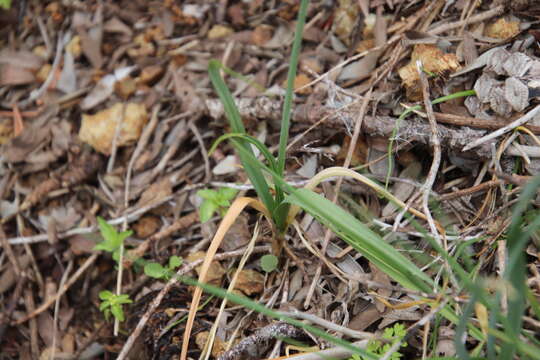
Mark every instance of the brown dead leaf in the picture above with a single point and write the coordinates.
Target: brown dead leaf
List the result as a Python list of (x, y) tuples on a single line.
[(98, 130), (219, 345), (125, 88), (144, 47), (433, 60), (15, 75), (345, 18), (147, 226), (502, 29), (24, 59), (365, 318), (156, 192), (237, 236), (262, 34), (382, 278), (150, 74), (359, 154), (80, 244), (91, 48), (403, 190), (9, 276), (215, 272), (250, 282), (299, 81)]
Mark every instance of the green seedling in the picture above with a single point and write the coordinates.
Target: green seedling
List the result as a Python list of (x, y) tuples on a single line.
[(112, 304), (112, 239), (157, 271), (269, 263), (392, 335), (215, 201), (6, 4)]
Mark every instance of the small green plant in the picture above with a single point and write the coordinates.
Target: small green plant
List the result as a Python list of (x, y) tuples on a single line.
[(6, 4), (214, 201), (112, 304), (157, 271), (269, 263), (113, 242), (392, 335), (112, 239)]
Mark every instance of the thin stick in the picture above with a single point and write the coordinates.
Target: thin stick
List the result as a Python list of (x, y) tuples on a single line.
[(473, 19), (514, 124), (204, 153), (430, 180), (114, 145), (57, 308), (328, 324)]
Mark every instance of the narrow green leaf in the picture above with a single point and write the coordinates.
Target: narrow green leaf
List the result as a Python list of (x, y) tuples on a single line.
[(231, 111), (287, 103), (362, 239), (250, 139)]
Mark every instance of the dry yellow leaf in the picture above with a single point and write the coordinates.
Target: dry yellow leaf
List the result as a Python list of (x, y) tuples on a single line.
[(98, 130), (502, 29), (74, 46), (433, 59), (219, 31), (215, 272), (250, 282)]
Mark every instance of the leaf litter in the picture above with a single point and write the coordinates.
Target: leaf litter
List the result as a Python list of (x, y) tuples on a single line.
[(118, 122)]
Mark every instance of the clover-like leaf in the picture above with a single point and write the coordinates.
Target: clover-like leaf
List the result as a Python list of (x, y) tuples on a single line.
[(6, 4), (208, 194), (227, 193), (174, 262), (155, 270), (117, 312), (207, 210), (105, 295), (269, 263)]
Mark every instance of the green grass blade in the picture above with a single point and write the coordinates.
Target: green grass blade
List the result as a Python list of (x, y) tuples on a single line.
[(516, 270), (362, 239), (231, 111), (245, 79), (287, 104), (250, 139)]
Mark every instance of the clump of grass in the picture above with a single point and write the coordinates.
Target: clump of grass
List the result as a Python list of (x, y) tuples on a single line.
[(280, 202)]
